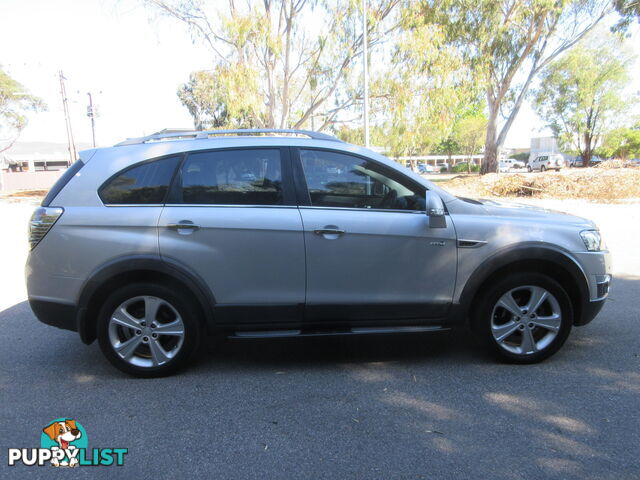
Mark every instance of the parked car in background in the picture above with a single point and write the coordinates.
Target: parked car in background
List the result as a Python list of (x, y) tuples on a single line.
[(150, 245), (577, 161), (633, 162), (423, 168), (510, 164), (550, 161)]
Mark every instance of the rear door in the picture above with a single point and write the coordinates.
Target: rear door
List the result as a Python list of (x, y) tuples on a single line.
[(231, 217), (370, 252)]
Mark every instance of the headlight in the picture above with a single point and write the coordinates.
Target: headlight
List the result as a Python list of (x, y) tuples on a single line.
[(592, 240)]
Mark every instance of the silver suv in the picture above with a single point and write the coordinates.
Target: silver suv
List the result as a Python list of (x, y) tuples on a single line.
[(550, 161), (150, 245)]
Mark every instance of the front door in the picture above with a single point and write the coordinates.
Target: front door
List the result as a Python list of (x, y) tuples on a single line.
[(370, 252), (231, 217)]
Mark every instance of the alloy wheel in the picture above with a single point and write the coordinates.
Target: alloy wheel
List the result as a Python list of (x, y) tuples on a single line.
[(525, 320), (146, 331)]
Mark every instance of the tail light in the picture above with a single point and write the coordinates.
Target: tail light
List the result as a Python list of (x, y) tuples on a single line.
[(41, 222)]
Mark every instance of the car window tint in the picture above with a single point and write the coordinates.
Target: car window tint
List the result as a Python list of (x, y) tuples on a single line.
[(143, 184), (341, 180), (232, 177)]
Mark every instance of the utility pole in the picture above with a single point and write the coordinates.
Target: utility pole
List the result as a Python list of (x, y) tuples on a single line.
[(67, 119), (366, 73), (91, 113)]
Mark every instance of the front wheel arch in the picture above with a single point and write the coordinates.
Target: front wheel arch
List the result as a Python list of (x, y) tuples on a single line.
[(527, 259)]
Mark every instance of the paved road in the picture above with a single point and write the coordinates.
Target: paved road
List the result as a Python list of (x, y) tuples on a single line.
[(406, 407)]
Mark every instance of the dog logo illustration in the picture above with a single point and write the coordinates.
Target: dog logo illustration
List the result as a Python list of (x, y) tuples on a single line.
[(64, 437), (64, 443)]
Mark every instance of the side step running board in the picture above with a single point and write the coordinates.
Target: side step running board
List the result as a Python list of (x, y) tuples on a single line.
[(327, 333)]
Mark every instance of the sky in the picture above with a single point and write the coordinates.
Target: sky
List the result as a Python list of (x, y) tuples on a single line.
[(132, 62)]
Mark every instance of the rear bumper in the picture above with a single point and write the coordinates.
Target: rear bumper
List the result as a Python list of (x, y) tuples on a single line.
[(56, 314)]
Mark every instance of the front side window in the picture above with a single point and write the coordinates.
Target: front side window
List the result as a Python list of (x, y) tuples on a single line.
[(143, 184), (341, 180), (232, 177)]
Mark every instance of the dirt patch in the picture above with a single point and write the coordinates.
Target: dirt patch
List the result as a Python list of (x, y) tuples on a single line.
[(25, 194), (596, 184)]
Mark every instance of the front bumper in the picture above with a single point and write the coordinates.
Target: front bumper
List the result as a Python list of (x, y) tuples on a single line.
[(597, 268), (589, 311)]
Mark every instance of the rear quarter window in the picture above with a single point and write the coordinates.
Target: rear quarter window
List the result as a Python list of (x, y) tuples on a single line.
[(145, 183), (61, 182)]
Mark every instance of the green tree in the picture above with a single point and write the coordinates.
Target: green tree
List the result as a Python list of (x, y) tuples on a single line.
[(219, 98), (508, 42), (470, 133), (581, 94), (15, 103), (423, 92), (628, 10), (448, 146), (288, 62), (622, 143)]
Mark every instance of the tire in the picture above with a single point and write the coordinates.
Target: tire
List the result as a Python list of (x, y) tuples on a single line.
[(529, 169), (529, 341), (542, 168), (158, 349)]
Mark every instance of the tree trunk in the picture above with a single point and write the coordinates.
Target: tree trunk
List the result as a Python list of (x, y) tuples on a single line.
[(588, 151), (490, 160)]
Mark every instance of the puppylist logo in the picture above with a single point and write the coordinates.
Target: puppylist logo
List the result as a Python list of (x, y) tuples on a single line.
[(64, 443)]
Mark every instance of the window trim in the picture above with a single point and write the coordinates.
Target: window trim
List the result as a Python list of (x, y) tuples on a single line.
[(180, 157), (288, 192), (302, 191)]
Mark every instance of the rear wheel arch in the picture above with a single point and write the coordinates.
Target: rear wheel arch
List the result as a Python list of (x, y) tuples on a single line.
[(136, 269), (556, 264)]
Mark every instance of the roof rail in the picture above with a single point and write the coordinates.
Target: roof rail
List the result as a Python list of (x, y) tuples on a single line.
[(178, 134)]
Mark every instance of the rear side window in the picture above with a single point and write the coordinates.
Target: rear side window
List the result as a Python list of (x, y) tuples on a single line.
[(231, 177), (143, 184), (61, 182)]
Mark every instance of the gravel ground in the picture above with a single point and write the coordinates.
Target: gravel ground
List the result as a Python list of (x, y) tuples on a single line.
[(405, 407)]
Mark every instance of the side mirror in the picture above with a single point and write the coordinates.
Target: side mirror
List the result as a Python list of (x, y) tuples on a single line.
[(435, 210)]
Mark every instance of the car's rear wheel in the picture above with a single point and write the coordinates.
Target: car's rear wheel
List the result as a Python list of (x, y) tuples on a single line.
[(148, 330), (542, 168), (524, 318)]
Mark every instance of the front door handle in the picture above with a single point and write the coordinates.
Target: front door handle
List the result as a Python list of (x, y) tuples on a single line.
[(329, 231), (183, 225)]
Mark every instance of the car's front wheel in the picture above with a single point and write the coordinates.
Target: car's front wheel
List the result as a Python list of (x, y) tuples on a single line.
[(148, 330), (542, 168), (529, 169), (524, 318)]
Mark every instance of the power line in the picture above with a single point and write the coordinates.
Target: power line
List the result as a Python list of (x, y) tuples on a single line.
[(366, 73), (91, 113), (67, 119)]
